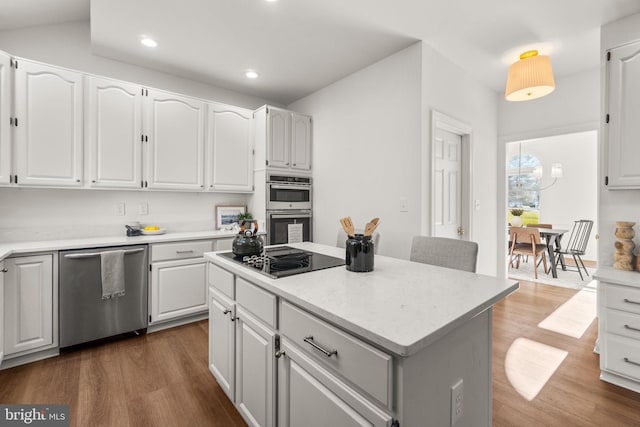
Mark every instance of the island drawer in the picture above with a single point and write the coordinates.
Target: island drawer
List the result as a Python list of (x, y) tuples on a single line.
[(622, 323), (622, 298), (222, 280), (180, 250), (363, 365), (257, 301), (622, 355)]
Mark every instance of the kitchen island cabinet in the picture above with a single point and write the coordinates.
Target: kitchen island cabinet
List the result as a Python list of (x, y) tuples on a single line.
[(378, 348)]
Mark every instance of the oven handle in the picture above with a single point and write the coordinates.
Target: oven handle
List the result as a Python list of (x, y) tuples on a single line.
[(285, 216), (290, 187)]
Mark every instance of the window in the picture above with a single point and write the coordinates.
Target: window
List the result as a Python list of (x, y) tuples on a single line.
[(524, 185)]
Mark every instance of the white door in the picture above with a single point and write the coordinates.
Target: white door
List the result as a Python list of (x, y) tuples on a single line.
[(624, 113), (255, 371), (278, 137), (448, 184), (222, 341), (174, 127), (48, 137), (5, 115), (178, 289), (300, 142), (230, 149), (114, 117), (28, 303)]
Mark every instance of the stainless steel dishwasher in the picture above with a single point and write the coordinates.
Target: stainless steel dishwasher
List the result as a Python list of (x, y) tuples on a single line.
[(84, 315)]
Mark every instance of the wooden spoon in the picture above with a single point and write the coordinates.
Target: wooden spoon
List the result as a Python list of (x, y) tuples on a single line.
[(371, 227)]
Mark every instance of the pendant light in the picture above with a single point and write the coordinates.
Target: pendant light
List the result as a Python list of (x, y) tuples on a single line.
[(529, 78)]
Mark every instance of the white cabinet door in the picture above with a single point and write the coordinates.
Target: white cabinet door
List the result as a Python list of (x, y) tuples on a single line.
[(255, 371), (623, 90), (278, 137), (230, 149), (114, 118), (48, 137), (311, 396), (174, 126), (28, 303), (2, 272), (300, 142), (5, 115), (178, 288), (222, 341)]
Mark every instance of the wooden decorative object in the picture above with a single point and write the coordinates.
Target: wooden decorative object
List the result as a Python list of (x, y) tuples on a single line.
[(624, 246)]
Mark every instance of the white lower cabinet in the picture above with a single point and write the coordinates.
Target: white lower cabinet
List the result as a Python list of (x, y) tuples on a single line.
[(311, 396), (178, 280), (255, 370), (28, 304), (222, 341), (2, 271)]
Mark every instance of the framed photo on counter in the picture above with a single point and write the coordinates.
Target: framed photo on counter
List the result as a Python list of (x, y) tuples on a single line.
[(227, 215)]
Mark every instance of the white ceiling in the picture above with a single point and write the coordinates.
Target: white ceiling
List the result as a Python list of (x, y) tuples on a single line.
[(299, 46)]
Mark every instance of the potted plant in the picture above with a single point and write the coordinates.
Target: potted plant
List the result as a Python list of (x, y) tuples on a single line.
[(516, 219)]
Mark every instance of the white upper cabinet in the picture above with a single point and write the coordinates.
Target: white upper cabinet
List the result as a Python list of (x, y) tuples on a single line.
[(623, 128), (278, 137), (300, 142), (229, 149), (49, 131), (114, 121), (174, 127), (5, 115)]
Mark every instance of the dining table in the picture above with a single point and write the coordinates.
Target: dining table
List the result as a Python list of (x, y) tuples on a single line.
[(553, 238)]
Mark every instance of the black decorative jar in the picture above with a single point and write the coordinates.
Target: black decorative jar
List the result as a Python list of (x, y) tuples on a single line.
[(359, 253)]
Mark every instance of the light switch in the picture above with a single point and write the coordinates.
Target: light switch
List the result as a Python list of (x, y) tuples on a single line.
[(143, 208), (404, 204), (120, 209), (477, 204)]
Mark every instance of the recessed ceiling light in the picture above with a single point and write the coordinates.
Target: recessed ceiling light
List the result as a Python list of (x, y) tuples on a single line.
[(251, 74), (148, 42)]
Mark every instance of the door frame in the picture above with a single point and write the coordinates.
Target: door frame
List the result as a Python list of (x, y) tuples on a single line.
[(442, 121)]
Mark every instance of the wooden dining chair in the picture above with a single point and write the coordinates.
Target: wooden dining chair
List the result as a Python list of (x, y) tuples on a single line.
[(526, 242)]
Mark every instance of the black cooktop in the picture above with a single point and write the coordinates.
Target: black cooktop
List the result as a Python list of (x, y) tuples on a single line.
[(284, 261)]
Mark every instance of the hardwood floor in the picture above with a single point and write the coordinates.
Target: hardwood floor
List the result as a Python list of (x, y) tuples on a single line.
[(162, 379), (574, 395), (159, 379)]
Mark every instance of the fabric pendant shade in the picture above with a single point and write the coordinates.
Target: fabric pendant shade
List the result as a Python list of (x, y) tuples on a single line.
[(529, 78)]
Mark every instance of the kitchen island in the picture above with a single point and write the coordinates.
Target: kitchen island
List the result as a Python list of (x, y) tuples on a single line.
[(407, 344)]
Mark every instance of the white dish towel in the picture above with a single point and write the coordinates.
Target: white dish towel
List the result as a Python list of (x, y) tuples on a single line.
[(112, 272)]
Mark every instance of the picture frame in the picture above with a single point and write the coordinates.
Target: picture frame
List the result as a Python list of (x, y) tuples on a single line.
[(226, 216)]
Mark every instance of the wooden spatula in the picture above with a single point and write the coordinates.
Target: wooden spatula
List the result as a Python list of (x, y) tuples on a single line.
[(347, 225), (371, 227)]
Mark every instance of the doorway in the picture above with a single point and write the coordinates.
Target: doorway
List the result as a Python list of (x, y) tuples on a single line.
[(451, 180)]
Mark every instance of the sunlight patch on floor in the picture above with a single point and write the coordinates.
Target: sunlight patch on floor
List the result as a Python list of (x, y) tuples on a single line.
[(529, 365), (574, 316)]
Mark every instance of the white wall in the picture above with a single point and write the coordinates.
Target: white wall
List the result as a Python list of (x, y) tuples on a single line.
[(366, 150), (571, 197), (34, 214), (452, 91)]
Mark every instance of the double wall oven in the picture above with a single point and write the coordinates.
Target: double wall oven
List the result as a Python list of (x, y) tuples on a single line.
[(288, 202)]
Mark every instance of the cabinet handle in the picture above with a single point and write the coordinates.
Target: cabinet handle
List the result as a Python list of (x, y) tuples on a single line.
[(77, 180), (631, 301), (631, 328), (626, 359), (287, 164), (279, 354), (4, 270), (328, 353), (226, 311), (184, 252)]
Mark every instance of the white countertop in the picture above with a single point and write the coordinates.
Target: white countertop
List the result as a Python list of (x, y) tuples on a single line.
[(618, 277), (401, 306), (8, 249)]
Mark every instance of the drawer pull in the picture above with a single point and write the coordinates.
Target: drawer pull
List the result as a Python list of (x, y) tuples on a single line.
[(4, 270), (184, 252), (631, 302), (309, 340), (631, 328), (626, 359)]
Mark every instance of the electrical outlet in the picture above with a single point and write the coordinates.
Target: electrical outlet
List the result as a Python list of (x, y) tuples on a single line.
[(120, 209), (477, 205), (143, 208), (456, 402)]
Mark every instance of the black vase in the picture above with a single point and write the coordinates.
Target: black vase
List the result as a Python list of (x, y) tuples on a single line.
[(359, 253)]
